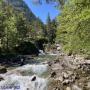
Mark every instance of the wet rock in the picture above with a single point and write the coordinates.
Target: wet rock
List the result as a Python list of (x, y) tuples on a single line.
[(34, 78), (53, 74), (3, 70)]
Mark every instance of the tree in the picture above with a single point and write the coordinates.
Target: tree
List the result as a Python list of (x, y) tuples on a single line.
[(36, 29), (74, 27), (22, 27), (51, 30), (8, 30)]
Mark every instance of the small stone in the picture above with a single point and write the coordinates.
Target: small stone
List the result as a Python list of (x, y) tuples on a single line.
[(49, 63), (65, 75), (68, 88), (53, 74), (60, 78), (65, 82)]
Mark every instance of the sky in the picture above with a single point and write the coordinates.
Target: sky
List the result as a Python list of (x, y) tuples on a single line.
[(43, 10)]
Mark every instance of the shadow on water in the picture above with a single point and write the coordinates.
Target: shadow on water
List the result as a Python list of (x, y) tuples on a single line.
[(20, 60), (17, 60)]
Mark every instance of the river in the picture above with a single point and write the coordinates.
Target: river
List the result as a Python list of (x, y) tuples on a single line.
[(28, 77)]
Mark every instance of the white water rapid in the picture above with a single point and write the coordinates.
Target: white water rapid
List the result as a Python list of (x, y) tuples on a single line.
[(27, 77)]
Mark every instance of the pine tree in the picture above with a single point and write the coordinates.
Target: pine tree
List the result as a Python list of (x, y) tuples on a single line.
[(51, 30)]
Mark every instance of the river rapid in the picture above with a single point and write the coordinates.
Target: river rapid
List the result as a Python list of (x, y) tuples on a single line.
[(27, 77)]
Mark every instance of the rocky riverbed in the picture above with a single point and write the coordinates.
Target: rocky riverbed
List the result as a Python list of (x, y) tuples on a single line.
[(69, 73)]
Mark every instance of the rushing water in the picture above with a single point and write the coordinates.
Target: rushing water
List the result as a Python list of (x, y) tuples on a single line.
[(27, 77), (31, 76)]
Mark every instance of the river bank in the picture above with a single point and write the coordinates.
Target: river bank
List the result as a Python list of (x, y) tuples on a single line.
[(70, 73)]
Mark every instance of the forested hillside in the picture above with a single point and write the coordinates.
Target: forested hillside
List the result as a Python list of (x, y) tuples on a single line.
[(18, 25)]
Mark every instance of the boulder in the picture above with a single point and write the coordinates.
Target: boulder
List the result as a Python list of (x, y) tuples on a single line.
[(34, 78)]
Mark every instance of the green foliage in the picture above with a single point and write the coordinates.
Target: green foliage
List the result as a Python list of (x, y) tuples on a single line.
[(74, 26), (8, 28), (22, 27)]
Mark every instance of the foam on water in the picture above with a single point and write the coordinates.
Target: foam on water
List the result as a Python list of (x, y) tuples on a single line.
[(18, 82), (38, 69)]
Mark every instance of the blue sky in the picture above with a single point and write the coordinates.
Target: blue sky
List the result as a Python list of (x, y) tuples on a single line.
[(42, 11)]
